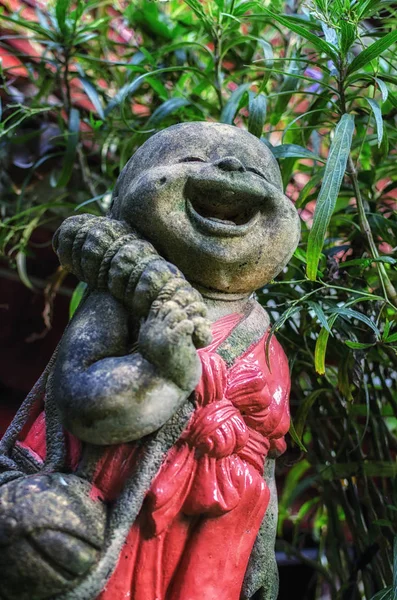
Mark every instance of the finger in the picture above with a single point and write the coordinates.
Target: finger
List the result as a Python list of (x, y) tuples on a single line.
[(202, 334), (153, 279), (196, 309), (186, 295), (170, 288), (99, 238), (64, 238), (183, 328), (174, 317), (126, 267)]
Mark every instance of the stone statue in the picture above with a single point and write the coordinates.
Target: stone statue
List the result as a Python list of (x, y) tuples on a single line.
[(141, 465)]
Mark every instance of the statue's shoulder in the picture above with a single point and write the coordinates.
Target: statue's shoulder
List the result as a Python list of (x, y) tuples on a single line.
[(250, 330)]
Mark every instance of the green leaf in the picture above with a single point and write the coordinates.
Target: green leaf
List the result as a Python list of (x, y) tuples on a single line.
[(386, 594), (391, 338), (77, 297), (321, 346), (268, 62), (257, 105), (395, 568), (320, 351), (354, 314), (232, 105), (164, 110), (378, 118), (318, 311), (289, 85), (372, 52), (134, 85), (373, 468), (357, 345), (383, 523), (71, 148), (304, 409), (292, 25), (93, 95), (383, 88), (61, 11), (296, 437), (198, 9), (294, 151), (22, 271), (287, 314), (348, 35), (333, 176)]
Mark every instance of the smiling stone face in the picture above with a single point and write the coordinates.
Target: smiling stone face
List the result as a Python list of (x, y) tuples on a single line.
[(209, 197)]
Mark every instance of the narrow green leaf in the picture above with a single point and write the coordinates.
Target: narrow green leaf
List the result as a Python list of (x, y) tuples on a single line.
[(395, 568), (348, 35), (287, 89), (333, 176), (391, 338), (385, 594), (318, 311), (383, 88), (320, 351), (372, 52), (371, 468), (22, 271), (232, 105), (357, 345), (354, 314), (386, 329), (310, 185), (61, 11), (198, 9), (93, 95), (304, 409), (295, 437), (257, 106), (321, 346), (383, 523), (268, 62), (164, 110), (287, 314), (378, 118), (134, 85), (71, 148), (20, 22), (294, 151), (292, 25), (76, 297)]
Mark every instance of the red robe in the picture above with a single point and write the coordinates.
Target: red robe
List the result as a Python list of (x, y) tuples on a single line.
[(200, 518)]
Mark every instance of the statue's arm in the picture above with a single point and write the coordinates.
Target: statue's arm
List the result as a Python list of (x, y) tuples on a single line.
[(107, 395), (261, 577)]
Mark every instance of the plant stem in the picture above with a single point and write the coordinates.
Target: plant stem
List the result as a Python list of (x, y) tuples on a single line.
[(388, 288), (218, 67)]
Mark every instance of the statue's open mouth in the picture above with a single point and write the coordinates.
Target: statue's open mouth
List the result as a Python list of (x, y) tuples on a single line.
[(221, 210)]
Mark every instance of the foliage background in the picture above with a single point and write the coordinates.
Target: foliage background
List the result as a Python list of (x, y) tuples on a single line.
[(83, 84)]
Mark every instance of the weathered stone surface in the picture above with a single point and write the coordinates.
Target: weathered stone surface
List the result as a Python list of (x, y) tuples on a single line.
[(215, 208), (198, 222)]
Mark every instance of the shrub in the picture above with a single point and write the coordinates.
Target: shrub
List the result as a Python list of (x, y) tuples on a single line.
[(84, 84)]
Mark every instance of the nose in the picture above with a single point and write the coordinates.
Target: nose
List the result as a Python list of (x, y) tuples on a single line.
[(229, 163)]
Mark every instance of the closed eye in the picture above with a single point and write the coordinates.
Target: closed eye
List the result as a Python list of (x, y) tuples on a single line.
[(192, 159), (256, 172)]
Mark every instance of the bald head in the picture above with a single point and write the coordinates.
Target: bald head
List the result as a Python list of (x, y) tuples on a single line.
[(209, 197), (206, 141)]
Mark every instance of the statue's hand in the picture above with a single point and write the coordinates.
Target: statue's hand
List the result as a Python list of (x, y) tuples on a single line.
[(175, 327), (109, 256), (82, 242)]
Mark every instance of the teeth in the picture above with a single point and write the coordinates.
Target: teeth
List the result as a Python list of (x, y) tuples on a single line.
[(222, 221)]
